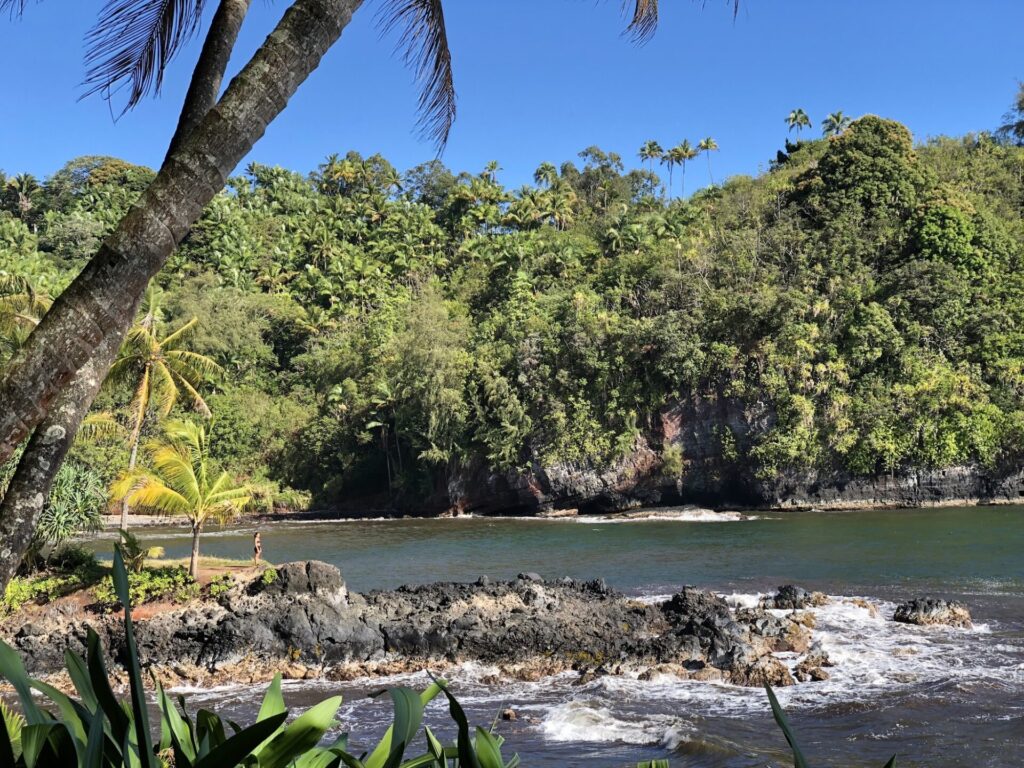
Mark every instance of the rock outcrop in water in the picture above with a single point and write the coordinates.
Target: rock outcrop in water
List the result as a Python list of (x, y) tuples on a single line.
[(307, 623), (929, 610)]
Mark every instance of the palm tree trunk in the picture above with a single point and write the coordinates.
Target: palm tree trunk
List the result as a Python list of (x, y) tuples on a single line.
[(133, 458), (102, 299), (204, 88), (26, 495), (709, 170), (682, 180), (193, 563)]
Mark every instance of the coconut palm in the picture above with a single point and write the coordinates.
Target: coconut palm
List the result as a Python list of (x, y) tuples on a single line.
[(669, 159), (128, 51), (682, 153), (835, 124), (21, 309), (183, 481), (160, 369), (707, 146), (798, 119), (651, 151), (546, 175), (59, 367)]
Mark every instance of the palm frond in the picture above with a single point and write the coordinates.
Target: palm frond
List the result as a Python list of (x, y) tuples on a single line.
[(186, 330), (423, 44), (15, 7), (100, 426), (198, 403), (644, 19), (165, 389), (133, 41), (191, 365), (156, 495)]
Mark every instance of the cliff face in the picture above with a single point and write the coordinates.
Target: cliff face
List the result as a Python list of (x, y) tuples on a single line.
[(690, 458)]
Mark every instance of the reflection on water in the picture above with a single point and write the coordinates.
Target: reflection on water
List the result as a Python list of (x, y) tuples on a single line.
[(938, 696)]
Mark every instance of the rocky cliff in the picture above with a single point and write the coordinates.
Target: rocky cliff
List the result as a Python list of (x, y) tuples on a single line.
[(690, 457)]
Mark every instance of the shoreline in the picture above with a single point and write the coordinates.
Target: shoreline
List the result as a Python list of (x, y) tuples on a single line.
[(112, 522)]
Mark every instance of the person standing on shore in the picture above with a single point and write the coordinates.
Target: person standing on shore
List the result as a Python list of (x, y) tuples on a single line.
[(257, 549)]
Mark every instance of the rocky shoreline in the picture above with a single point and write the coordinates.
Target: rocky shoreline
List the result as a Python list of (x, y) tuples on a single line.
[(306, 624)]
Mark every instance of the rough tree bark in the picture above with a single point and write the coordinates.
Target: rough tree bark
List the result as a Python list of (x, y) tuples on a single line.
[(29, 488), (103, 297), (27, 493), (204, 88)]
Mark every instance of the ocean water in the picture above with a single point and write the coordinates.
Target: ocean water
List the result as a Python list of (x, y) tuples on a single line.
[(939, 697)]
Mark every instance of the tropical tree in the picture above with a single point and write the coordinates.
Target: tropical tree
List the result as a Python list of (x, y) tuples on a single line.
[(707, 146), (798, 120), (183, 481), (682, 153), (669, 159), (546, 175), (159, 368), (835, 124), (1013, 121), (21, 309), (58, 370), (649, 152)]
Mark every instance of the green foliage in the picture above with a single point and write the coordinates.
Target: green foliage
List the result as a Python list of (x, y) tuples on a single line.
[(149, 585), (135, 553), (862, 301), (268, 577), (221, 585), (48, 586)]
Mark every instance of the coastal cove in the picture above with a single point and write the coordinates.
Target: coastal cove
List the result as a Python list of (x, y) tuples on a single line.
[(892, 687)]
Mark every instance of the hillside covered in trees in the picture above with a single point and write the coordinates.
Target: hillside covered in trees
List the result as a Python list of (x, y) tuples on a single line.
[(364, 335)]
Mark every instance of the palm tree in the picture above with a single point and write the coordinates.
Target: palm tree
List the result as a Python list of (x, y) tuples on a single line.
[(21, 309), (707, 146), (651, 151), (58, 369), (546, 175), (681, 154), (835, 124), (799, 120), (183, 481), (158, 368), (669, 159)]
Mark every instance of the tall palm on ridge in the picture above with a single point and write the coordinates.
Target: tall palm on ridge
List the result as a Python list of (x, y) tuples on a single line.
[(682, 153), (798, 120), (835, 124), (158, 368), (707, 146), (649, 152)]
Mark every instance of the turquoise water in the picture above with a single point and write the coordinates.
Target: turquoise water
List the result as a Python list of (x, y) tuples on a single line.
[(938, 697)]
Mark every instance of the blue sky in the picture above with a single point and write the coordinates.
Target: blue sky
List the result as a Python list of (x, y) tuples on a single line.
[(541, 79)]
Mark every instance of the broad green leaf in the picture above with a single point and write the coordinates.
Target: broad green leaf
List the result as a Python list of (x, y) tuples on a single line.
[(891, 763), (13, 671), (302, 734), (138, 692), (98, 678), (407, 718), (178, 732), (80, 679), (235, 749), (780, 717), (488, 751)]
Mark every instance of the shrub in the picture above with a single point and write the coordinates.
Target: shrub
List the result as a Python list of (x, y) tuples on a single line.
[(148, 585), (221, 584), (269, 577)]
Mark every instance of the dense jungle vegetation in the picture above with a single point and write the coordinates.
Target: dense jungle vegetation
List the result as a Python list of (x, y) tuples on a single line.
[(360, 331)]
